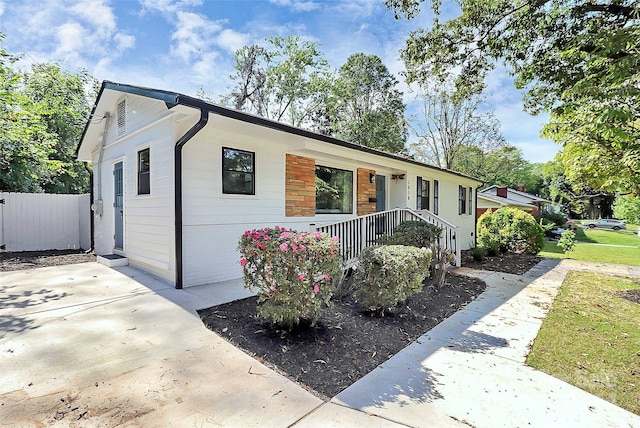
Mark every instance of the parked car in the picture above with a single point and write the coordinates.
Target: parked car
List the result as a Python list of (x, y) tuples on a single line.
[(555, 233), (606, 223)]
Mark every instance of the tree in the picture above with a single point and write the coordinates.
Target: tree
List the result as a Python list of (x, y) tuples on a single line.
[(366, 107), (577, 198), (284, 81), (502, 166), (64, 101), (42, 113), (627, 207), (578, 60), (449, 125)]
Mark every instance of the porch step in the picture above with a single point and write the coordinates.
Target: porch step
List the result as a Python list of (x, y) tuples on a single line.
[(113, 260)]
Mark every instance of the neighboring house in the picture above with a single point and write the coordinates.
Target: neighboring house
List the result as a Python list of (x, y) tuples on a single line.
[(495, 197), (177, 180)]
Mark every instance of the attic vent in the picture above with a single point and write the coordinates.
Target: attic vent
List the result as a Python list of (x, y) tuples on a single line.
[(122, 117)]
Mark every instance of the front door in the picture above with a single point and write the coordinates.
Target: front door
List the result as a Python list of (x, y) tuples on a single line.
[(381, 193), (118, 205)]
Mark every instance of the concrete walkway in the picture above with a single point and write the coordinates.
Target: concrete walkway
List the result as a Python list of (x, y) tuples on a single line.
[(85, 345)]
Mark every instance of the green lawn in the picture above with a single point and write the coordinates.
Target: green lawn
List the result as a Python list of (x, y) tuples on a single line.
[(621, 247), (601, 236), (591, 339), (594, 253)]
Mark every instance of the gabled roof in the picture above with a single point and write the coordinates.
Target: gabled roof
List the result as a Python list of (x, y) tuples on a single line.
[(109, 91), (503, 201), (529, 196)]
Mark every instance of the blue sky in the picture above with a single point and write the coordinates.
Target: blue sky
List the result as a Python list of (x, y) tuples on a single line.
[(185, 45)]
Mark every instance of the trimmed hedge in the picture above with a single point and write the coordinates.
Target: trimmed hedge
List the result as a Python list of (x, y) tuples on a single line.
[(389, 274), (510, 229)]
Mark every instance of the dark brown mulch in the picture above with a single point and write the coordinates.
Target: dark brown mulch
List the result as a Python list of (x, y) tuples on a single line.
[(346, 343), (517, 264), (34, 259), (631, 295)]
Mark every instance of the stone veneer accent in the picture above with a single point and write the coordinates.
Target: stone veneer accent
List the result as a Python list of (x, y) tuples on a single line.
[(365, 191), (300, 187)]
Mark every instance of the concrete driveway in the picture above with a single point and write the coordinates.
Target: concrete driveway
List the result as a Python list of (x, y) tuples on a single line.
[(86, 345)]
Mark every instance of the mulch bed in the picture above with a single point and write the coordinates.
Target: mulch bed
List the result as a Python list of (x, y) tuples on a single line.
[(23, 260), (513, 263), (631, 295), (346, 343)]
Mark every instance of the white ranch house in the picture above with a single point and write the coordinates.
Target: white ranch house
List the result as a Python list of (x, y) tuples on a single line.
[(177, 180)]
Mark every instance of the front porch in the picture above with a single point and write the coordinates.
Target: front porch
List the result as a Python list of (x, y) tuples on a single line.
[(363, 231)]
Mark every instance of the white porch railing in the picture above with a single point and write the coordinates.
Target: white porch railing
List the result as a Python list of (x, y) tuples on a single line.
[(358, 233)]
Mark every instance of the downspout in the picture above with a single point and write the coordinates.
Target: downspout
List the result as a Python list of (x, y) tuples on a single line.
[(204, 118), (91, 213)]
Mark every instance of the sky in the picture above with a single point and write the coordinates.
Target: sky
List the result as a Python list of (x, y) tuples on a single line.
[(188, 45)]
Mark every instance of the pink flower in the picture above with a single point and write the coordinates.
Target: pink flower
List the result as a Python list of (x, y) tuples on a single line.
[(243, 262), (295, 248), (302, 248), (317, 235), (326, 277), (266, 237), (285, 235), (316, 288), (284, 246), (301, 277), (261, 245)]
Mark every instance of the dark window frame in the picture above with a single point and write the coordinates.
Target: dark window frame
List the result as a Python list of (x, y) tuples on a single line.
[(144, 172), (423, 194), (324, 210), (462, 200), (436, 196), (227, 188)]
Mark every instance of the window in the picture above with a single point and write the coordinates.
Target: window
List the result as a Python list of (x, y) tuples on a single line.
[(238, 172), (334, 191), (462, 200), (436, 191), (422, 202), (470, 206), (144, 174)]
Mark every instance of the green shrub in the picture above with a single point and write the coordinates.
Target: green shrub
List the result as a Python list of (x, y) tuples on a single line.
[(413, 233), (478, 253), (293, 273), (510, 229), (567, 241), (389, 274)]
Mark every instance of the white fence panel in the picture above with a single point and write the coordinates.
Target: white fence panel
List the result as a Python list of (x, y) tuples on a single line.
[(38, 221)]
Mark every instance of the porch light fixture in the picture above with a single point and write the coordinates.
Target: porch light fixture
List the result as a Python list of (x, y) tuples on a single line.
[(372, 178), (397, 176)]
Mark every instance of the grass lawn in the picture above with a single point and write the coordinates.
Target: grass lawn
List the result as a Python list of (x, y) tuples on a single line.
[(627, 237), (591, 339), (628, 252), (594, 253)]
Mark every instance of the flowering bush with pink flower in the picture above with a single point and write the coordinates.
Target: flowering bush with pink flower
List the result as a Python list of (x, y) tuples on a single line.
[(293, 272)]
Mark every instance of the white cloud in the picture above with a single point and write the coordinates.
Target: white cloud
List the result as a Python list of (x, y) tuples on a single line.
[(70, 37), (2, 6), (231, 40), (297, 5), (194, 35), (124, 41), (96, 13), (169, 6)]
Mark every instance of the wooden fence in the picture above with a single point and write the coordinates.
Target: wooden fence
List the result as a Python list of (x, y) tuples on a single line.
[(38, 221)]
